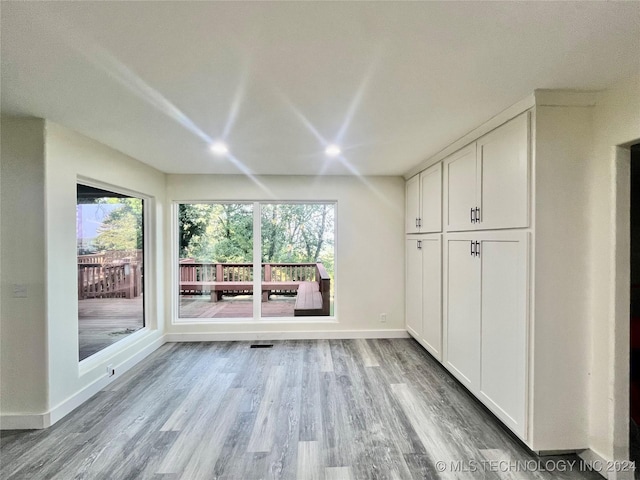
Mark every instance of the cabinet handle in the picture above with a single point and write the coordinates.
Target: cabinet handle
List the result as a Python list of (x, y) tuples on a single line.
[(419, 244), (473, 251), (419, 223), (472, 213), (477, 215), (477, 249), (416, 223)]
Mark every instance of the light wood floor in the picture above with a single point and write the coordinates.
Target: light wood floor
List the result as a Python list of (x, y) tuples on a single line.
[(339, 409)]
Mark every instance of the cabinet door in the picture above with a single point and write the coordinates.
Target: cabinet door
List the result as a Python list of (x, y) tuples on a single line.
[(431, 199), (432, 294), (503, 178), (503, 336), (413, 304), (460, 185), (412, 204), (462, 316)]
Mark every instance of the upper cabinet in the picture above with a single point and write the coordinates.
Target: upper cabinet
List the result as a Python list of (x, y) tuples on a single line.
[(460, 183), (486, 184), (424, 201), (412, 206)]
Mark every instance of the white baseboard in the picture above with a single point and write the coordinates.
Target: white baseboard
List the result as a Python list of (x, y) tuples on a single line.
[(25, 421), (600, 465), (299, 335), (44, 420)]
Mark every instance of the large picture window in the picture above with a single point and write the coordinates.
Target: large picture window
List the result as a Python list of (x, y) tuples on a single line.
[(110, 246), (247, 260)]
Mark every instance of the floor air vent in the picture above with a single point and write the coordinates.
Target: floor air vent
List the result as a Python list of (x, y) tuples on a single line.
[(261, 346)]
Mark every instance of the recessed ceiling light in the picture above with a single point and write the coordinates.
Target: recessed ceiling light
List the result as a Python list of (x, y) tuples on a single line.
[(332, 150), (219, 148)]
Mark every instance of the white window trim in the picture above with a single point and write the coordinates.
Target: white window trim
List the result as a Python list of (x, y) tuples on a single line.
[(257, 319), (149, 297)]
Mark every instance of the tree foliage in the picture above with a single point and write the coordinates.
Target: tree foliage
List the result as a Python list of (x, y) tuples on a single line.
[(296, 233), (122, 227), (216, 232), (291, 233)]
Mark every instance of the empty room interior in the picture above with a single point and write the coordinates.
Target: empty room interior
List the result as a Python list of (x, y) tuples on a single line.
[(319, 240)]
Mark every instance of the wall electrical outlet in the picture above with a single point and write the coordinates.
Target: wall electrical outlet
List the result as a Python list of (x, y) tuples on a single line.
[(110, 370), (383, 318)]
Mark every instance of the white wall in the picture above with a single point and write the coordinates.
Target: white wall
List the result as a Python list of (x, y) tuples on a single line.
[(369, 247), (616, 122), (23, 359), (40, 378), (68, 156)]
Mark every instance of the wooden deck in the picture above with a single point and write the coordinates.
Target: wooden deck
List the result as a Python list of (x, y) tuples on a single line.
[(104, 321), (309, 281), (234, 307)]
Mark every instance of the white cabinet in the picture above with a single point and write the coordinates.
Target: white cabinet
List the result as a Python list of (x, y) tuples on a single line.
[(412, 204), (424, 291), (431, 199), (503, 176), (485, 319), (413, 308), (460, 182), (462, 310), (516, 286), (503, 332), (486, 184), (424, 201)]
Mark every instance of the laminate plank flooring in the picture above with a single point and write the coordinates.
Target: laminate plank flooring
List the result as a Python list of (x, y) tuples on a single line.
[(326, 409)]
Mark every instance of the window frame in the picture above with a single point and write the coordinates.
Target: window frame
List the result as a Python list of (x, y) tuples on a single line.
[(149, 290), (257, 260)]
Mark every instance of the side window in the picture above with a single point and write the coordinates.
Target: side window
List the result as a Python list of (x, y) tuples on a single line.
[(110, 246)]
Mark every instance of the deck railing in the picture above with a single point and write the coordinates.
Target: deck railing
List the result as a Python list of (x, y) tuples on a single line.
[(112, 256), (191, 271), (123, 280)]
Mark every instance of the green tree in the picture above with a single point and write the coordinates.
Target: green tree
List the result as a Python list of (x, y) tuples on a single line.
[(291, 233), (296, 232), (216, 232), (193, 220), (122, 227)]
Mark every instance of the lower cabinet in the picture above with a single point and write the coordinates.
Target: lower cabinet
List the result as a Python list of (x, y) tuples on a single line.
[(424, 291), (485, 319)]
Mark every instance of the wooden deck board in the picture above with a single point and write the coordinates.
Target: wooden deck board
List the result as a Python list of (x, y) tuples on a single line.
[(309, 300), (234, 307), (104, 321)]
